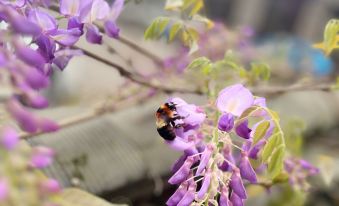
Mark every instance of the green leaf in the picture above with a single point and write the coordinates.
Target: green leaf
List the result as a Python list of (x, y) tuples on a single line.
[(199, 62), (174, 30), (261, 71), (173, 4), (261, 131), (274, 141), (197, 7), (157, 27), (275, 165)]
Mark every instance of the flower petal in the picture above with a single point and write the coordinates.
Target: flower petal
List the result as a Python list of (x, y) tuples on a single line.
[(93, 34), (234, 99), (237, 185), (226, 122), (242, 130), (246, 170), (182, 173)]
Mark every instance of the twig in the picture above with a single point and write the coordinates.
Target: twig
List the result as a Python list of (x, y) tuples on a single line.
[(136, 78), (275, 90), (92, 113)]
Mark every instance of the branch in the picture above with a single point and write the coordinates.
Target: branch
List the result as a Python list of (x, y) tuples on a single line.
[(136, 78), (93, 113)]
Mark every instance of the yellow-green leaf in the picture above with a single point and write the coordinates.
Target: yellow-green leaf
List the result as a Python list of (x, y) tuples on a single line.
[(274, 141), (260, 131), (199, 62), (174, 30), (276, 163)]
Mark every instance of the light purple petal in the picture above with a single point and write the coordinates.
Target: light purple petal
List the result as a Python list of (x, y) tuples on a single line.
[(26, 120), (183, 172), (51, 186), (205, 185), (70, 7), (178, 195), (93, 34), (111, 29), (246, 170), (224, 201), (29, 56), (22, 25), (116, 9), (236, 200), (47, 125), (66, 37), (179, 144), (188, 197), (237, 185), (41, 157), (234, 99), (44, 20), (95, 10), (9, 138), (205, 157)]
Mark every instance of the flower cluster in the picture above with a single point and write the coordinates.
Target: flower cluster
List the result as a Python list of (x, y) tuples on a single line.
[(19, 164), (33, 43), (217, 154)]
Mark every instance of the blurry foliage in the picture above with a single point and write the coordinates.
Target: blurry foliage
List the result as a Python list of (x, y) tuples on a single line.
[(293, 130), (288, 197), (173, 28), (331, 37)]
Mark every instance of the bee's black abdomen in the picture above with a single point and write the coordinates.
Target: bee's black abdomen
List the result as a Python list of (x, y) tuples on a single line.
[(167, 132)]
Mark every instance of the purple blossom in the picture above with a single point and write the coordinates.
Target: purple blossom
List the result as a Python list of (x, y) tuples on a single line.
[(41, 157), (189, 196), (183, 172), (178, 195), (205, 185), (236, 200), (242, 130), (226, 122), (237, 185), (93, 35), (45, 21), (246, 170), (224, 201), (9, 138), (50, 186), (234, 99), (205, 157)]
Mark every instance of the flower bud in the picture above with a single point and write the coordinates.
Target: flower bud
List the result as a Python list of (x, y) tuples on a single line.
[(226, 122), (9, 138), (182, 173), (41, 157), (205, 157), (242, 130), (205, 185), (237, 185), (246, 170), (236, 200), (224, 201), (188, 197), (178, 195)]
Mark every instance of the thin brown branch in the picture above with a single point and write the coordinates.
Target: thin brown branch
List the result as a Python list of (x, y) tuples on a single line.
[(136, 78), (94, 113)]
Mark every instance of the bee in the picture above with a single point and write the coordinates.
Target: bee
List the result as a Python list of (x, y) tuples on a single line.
[(165, 120)]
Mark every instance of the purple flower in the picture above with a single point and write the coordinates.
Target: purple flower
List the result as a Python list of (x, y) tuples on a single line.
[(26, 120), (22, 25), (178, 195), (226, 122), (9, 138), (50, 186), (93, 35), (111, 29), (246, 170), (70, 7), (224, 201), (47, 125), (242, 130), (183, 172), (205, 185), (41, 157), (66, 37), (94, 10), (46, 22), (253, 153), (188, 198), (29, 56), (234, 99), (205, 157), (236, 200), (237, 185), (192, 114)]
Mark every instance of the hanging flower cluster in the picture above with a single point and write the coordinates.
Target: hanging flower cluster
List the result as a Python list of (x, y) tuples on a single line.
[(33, 43), (220, 151), (20, 181)]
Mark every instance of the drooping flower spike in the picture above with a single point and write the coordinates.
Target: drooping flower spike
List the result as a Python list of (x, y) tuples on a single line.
[(212, 160)]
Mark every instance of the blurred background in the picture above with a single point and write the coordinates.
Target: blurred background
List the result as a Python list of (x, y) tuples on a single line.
[(120, 156)]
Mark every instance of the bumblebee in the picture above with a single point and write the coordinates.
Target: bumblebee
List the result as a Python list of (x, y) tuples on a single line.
[(165, 120)]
